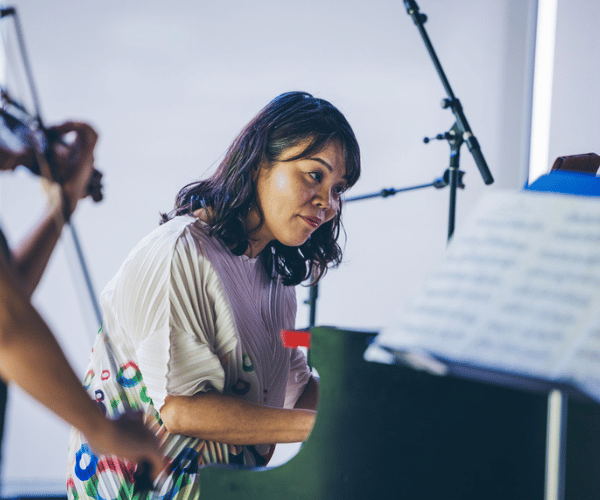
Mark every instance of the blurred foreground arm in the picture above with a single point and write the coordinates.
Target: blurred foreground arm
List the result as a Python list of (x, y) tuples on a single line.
[(31, 357)]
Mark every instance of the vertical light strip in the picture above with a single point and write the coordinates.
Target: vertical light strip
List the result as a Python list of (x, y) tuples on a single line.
[(542, 88), (556, 446)]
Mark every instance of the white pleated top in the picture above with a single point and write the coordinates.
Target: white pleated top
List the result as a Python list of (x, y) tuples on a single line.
[(196, 317)]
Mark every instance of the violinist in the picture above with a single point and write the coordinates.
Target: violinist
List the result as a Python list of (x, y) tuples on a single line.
[(30, 356)]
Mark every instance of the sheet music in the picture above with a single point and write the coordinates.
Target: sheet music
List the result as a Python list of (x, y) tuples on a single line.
[(518, 289)]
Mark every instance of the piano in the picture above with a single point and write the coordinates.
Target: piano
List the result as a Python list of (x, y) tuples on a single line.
[(388, 431)]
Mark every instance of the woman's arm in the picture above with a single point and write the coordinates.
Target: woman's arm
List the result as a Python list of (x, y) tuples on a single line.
[(224, 419)]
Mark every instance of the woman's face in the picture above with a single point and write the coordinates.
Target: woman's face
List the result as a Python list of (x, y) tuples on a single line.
[(298, 196)]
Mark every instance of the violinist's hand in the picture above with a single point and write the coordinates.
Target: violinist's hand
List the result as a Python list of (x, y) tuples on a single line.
[(128, 438), (73, 159)]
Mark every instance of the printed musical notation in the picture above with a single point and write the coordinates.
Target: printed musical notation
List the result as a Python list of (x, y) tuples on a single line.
[(517, 290)]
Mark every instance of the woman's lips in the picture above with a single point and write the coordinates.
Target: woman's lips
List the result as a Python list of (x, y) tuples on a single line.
[(314, 222)]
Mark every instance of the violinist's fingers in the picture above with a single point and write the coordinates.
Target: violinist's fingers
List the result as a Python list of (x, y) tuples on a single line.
[(75, 160), (80, 128), (81, 147)]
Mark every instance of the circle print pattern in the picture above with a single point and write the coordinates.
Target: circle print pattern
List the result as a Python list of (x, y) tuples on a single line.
[(144, 396), (87, 380), (85, 473), (132, 381), (184, 465), (241, 387), (186, 462), (247, 364)]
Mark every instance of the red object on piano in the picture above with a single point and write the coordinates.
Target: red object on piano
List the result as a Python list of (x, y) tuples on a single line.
[(295, 338)]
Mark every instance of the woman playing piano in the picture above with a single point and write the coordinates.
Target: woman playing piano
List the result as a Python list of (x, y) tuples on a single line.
[(192, 320)]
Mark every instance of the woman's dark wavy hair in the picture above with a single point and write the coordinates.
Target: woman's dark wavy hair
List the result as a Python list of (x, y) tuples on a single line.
[(288, 120)]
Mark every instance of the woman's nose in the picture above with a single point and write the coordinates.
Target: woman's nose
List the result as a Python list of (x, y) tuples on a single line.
[(326, 199)]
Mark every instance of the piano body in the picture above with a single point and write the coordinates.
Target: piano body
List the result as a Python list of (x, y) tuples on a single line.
[(388, 431)]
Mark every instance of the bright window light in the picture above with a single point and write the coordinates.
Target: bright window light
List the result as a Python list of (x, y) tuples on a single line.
[(542, 88)]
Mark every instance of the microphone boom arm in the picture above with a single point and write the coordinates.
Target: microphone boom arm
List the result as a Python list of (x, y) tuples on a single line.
[(452, 101)]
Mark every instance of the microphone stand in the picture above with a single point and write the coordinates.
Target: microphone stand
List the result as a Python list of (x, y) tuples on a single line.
[(461, 127), (459, 133)]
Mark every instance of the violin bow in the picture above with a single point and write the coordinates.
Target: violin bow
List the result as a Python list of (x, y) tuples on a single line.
[(43, 163)]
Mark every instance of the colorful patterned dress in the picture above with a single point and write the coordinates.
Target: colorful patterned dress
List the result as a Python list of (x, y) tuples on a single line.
[(185, 315)]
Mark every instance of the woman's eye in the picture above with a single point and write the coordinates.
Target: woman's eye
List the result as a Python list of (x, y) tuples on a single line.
[(339, 190), (317, 176)]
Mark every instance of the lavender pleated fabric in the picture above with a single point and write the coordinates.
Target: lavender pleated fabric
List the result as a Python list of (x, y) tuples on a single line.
[(184, 315)]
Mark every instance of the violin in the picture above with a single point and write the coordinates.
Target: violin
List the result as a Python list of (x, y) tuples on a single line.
[(24, 141)]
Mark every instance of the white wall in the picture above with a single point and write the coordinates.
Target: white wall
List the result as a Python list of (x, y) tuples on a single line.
[(168, 85)]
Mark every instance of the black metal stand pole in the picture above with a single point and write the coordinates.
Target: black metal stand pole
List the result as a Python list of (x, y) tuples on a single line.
[(313, 295), (384, 193), (464, 130), (455, 178)]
